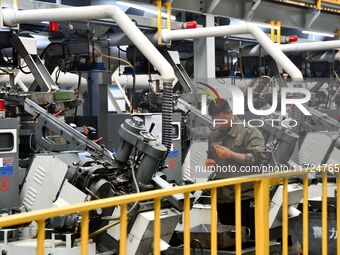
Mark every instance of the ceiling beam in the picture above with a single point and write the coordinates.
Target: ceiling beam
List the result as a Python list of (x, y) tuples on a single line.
[(213, 5), (291, 16), (252, 9)]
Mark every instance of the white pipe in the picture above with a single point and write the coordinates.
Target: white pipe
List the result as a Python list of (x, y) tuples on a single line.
[(13, 17), (310, 46), (272, 49), (297, 47), (66, 80), (142, 80)]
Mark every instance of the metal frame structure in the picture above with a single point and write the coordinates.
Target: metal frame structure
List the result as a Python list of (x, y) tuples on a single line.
[(294, 16), (261, 188)]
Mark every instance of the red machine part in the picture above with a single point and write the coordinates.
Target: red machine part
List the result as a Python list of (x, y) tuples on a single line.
[(189, 25), (53, 26), (293, 38)]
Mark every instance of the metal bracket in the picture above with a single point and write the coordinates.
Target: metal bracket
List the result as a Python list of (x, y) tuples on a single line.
[(255, 4), (74, 139), (38, 69), (311, 16), (213, 6)]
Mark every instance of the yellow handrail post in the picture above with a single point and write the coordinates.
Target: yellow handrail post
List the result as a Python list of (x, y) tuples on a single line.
[(259, 220), (41, 237), (213, 230), (266, 214), (272, 29), (261, 217), (186, 223), (168, 12), (278, 31), (324, 215), (84, 232), (157, 227), (159, 21), (285, 217), (318, 4), (261, 197), (123, 229), (305, 215), (238, 219)]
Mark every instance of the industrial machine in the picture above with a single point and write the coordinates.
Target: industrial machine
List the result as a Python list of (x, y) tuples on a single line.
[(54, 164), (9, 163), (154, 137), (86, 173)]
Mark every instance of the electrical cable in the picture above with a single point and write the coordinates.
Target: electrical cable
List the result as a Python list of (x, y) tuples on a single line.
[(134, 81), (121, 49), (241, 68), (103, 229), (57, 74), (5, 71), (78, 87), (114, 58), (28, 31), (270, 82), (22, 70), (133, 166), (124, 61)]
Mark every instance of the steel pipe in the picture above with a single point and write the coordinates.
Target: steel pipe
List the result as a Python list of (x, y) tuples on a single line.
[(143, 81), (296, 47), (271, 48), (310, 46)]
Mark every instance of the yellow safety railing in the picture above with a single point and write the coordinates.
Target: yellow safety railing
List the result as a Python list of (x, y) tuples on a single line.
[(261, 198)]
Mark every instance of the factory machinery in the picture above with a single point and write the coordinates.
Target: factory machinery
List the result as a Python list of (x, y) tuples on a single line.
[(45, 162)]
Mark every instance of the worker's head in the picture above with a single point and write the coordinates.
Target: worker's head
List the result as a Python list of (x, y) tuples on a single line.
[(220, 110)]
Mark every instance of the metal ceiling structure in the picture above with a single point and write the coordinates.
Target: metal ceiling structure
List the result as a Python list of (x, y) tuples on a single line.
[(294, 14), (304, 14)]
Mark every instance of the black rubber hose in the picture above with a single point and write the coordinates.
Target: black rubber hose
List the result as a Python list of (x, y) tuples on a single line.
[(167, 115)]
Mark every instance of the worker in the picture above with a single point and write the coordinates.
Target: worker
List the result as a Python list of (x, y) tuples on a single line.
[(233, 144)]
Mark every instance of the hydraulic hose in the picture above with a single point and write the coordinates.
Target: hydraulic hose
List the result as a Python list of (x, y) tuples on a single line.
[(167, 115)]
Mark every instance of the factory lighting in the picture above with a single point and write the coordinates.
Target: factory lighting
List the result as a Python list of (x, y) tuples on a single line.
[(317, 33), (145, 9)]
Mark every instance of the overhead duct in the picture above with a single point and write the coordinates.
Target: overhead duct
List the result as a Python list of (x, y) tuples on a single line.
[(252, 51), (143, 81), (67, 81), (273, 49)]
